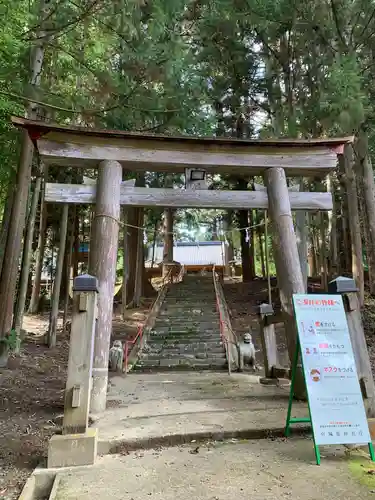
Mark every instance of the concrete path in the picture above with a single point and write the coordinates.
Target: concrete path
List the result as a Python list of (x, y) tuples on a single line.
[(256, 470), (171, 408)]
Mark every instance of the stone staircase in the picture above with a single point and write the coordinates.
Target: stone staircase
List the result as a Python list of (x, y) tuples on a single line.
[(186, 334)]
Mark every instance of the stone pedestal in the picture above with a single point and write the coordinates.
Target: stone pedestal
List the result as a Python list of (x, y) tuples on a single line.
[(71, 450)]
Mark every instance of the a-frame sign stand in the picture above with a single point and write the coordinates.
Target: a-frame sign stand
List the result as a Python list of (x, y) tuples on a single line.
[(305, 420), (290, 420)]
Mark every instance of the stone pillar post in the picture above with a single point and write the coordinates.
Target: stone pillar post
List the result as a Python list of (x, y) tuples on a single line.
[(78, 443), (268, 340)]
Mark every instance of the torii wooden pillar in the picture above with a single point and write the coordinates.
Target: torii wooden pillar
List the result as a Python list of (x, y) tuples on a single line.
[(102, 265), (288, 269)]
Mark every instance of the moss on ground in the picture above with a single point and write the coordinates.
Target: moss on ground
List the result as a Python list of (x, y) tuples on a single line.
[(363, 469)]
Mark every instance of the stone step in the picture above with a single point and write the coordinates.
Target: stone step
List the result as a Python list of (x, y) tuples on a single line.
[(186, 333), (188, 314), (184, 344), (192, 287), (188, 328), (182, 304), (190, 335), (198, 287), (198, 364), (179, 322), (200, 304), (184, 349), (190, 349), (198, 347), (184, 329), (188, 293), (190, 282), (168, 355), (192, 295), (188, 288), (183, 339), (200, 307), (188, 318), (176, 344)]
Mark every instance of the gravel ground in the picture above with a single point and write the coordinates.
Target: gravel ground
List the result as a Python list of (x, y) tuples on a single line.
[(31, 398)]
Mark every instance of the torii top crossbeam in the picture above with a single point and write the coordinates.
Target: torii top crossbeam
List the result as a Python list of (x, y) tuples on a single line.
[(86, 147)]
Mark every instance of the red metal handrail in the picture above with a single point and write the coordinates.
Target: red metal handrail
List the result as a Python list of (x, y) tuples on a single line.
[(223, 323), (132, 342), (224, 340), (140, 328), (223, 337)]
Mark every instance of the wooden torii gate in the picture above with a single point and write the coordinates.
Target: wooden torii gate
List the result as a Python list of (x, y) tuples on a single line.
[(112, 151)]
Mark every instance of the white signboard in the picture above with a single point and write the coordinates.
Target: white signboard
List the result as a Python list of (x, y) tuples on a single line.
[(337, 412)]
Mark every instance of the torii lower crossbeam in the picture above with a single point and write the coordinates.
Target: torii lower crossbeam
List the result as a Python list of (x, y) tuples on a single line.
[(185, 198)]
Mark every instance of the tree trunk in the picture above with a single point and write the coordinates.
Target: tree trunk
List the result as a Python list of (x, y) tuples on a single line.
[(229, 251), (366, 172), (267, 256), (332, 230), (6, 221), (103, 260), (289, 275), (133, 216), (58, 276), (314, 268), (68, 267), (17, 223), (301, 234), (76, 246), (259, 231), (252, 244), (39, 259), (13, 247), (168, 238), (140, 266), (346, 257), (228, 246), (65, 273), (26, 261), (243, 222), (323, 253), (154, 237), (365, 233), (125, 262), (354, 222)]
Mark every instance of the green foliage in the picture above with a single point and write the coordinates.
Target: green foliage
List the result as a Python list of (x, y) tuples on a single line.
[(242, 68), (343, 101), (10, 340)]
